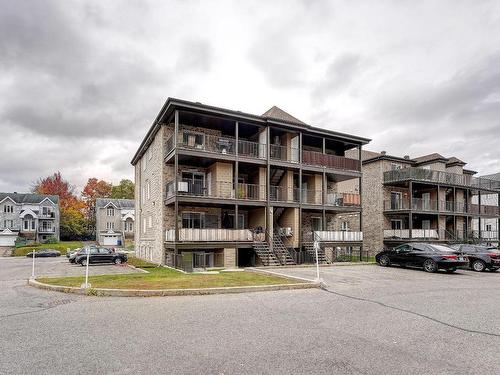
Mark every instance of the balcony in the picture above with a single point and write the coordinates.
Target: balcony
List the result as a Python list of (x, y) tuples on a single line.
[(283, 153), (439, 234), (283, 194), (216, 144), (330, 161), (425, 205), (439, 177), (210, 235), (218, 189), (252, 149), (337, 236)]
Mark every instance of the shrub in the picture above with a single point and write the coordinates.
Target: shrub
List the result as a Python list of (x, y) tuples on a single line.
[(51, 240)]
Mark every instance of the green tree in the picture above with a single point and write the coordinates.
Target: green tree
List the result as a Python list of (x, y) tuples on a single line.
[(124, 190)]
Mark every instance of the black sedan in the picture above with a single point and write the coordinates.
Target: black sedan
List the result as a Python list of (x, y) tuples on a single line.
[(43, 253), (481, 258), (100, 255), (429, 256)]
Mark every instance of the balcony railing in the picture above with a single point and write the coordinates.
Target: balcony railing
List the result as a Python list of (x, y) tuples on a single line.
[(252, 149), (426, 205), (330, 161), (251, 191), (217, 189), (439, 177), (46, 215), (207, 142), (209, 235), (283, 194), (46, 230), (337, 236), (283, 153), (342, 199), (430, 234), (439, 234), (312, 196)]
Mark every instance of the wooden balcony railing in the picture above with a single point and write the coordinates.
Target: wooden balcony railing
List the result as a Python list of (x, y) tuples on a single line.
[(330, 161)]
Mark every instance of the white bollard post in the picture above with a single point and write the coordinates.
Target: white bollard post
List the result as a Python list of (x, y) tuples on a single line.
[(33, 265), (316, 246), (87, 285)]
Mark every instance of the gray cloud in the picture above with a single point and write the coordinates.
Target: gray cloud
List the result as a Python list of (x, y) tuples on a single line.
[(82, 81)]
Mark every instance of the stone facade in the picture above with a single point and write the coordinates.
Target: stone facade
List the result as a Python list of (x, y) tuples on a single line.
[(115, 220)]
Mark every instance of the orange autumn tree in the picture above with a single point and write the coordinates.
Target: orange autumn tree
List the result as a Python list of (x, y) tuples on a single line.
[(94, 189), (72, 221)]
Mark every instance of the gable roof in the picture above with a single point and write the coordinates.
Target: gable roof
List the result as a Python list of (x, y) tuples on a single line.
[(277, 113), (455, 161), (28, 198), (118, 203)]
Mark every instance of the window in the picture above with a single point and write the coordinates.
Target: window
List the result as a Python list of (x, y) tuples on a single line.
[(32, 224), (193, 220), (427, 167), (396, 224), (129, 226), (344, 226), (26, 224), (110, 225), (196, 140), (395, 166), (143, 195), (402, 249), (488, 227), (151, 221), (111, 211), (144, 225), (148, 189), (396, 201), (46, 211), (8, 223), (8, 209)]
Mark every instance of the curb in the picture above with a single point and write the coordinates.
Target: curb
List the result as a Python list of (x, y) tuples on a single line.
[(337, 264), (170, 292)]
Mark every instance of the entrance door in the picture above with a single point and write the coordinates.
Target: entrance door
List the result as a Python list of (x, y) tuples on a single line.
[(396, 200), (316, 224), (426, 201)]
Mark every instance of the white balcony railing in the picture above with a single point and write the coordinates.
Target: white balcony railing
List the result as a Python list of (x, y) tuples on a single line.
[(209, 235), (338, 236), (397, 233)]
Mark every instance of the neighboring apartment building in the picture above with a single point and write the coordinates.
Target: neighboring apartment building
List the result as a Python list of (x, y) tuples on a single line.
[(115, 221), (488, 224), (217, 187), (429, 198), (34, 217)]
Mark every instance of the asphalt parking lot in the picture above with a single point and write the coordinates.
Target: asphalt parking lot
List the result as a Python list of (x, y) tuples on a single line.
[(370, 320)]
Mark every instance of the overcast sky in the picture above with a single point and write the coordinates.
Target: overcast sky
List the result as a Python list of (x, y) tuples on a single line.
[(81, 82)]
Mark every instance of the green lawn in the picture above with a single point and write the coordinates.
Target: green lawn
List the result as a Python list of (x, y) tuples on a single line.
[(60, 246), (166, 278)]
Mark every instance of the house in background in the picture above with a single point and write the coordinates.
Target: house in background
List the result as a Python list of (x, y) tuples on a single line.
[(218, 187), (430, 198), (34, 217), (488, 224), (115, 221)]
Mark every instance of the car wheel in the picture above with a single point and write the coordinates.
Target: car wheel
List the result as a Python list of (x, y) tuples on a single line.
[(118, 261), (430, 266), (384, 261), (493, 269), (84, 262), (478, 266)]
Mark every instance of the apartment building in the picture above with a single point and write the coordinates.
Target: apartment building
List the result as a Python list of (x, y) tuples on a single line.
[(430, 198), (218, 187), (488, 224), (115, 221), (33, 217)]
